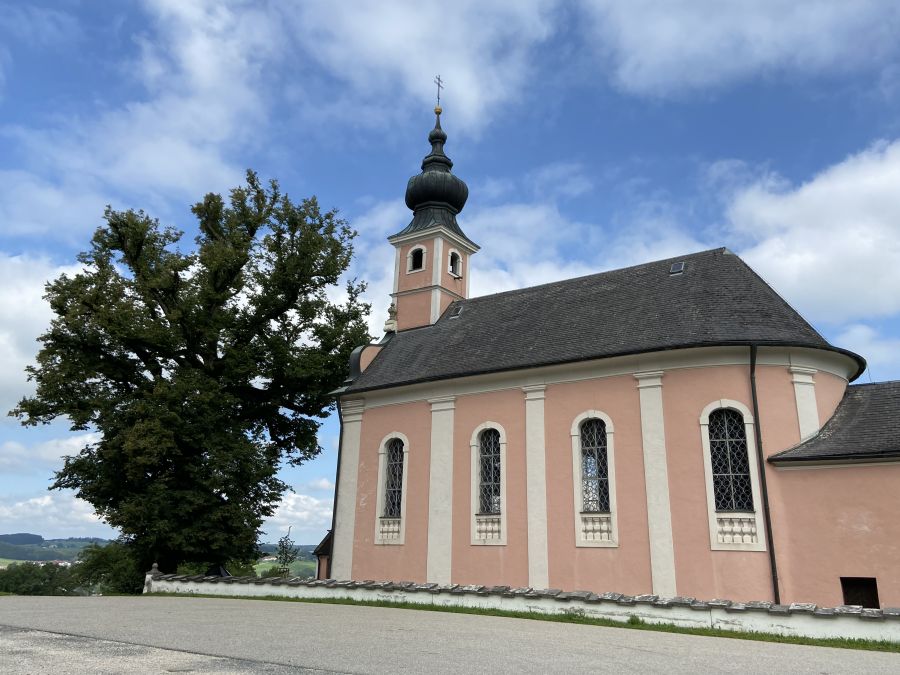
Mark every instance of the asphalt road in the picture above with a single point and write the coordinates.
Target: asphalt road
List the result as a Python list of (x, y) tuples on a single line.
[(205, 635)]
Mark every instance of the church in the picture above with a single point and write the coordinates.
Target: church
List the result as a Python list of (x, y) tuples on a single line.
[(674, 428)]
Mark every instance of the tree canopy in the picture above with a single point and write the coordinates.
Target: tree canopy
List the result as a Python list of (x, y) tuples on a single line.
[(203, 370)]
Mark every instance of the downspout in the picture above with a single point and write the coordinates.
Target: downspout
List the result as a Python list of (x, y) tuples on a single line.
[(760, 457), (337, 483)]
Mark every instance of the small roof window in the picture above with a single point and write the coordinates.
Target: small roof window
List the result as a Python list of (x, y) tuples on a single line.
[(676, 268)]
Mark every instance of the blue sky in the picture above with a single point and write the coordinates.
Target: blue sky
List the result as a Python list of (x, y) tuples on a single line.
[(592, 134)]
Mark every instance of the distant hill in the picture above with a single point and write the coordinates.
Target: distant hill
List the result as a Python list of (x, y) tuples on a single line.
[(22, 538), (26, 546)]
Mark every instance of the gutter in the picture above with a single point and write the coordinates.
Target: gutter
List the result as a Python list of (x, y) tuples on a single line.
[(767, 514), (337, 484)]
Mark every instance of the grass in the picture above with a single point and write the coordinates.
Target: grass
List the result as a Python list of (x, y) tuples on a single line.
[(633, 622), (299, 568), (6, 562)]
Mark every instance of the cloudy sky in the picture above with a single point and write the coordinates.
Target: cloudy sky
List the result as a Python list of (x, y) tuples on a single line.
[(593, 134)]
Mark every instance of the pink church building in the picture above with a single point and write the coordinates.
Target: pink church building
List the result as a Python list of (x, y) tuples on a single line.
[(673, 428)]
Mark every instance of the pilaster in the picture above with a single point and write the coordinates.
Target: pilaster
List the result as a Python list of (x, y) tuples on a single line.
[(656, 477), (805, 396), (440, 491), (536, 486), (345, 509)]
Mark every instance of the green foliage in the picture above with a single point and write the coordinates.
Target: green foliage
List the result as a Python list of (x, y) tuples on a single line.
[(22, 538), (28, 552), (32, 579), (113, 568), (202, 371), (235, 568), (287, 552)]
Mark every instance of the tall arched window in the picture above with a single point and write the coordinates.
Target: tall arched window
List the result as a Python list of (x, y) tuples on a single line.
[(730, 465), (488, 480), (393, 471), (393, 484), (594, 480), (489, 444), (594, 467)]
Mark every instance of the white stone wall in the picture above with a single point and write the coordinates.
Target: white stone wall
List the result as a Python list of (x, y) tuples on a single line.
[(802, 620)]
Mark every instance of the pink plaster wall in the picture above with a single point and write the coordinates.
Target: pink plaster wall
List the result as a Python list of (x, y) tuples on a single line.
[(829, 392), (625, 569), (834, 522), (701, 572), (419, 278), (482, 564), (413, 310), (368, 354), (388, 561)]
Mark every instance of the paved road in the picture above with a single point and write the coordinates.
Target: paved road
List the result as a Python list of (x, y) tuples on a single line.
[(205, 635)]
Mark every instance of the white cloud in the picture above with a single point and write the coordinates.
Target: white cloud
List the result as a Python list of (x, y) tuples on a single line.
[(321, 484), (831, 245), (23, 316), (660, 47), (881, 352), (308, 517), (480, 49), (16, 457), (52, 515)]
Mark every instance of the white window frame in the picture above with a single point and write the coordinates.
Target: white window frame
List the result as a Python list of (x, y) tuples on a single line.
[(754, 518), (475, 444), (382, 481), (577, 467), (409, 259), (450, 271)]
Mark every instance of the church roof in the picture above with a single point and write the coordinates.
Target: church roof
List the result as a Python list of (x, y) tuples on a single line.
[(865, 427), (716, 300)]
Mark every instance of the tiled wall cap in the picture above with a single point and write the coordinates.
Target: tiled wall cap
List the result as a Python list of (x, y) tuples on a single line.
[(447, 588), (548, 592), (869, 613), (891, 612), (718, 602), (780, 609), (646, 599), (625, 600), (699, 605), (736, 607), (848, 609), (759, 605), (499, 590), (803, 607), (683, 601), (825, 612), (515, 592), (613, 597)]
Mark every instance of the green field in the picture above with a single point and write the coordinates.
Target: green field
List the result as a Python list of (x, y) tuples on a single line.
[(299, 568), (6, 562)]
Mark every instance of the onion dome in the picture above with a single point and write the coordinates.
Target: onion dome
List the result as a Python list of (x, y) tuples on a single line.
[(435, 196)]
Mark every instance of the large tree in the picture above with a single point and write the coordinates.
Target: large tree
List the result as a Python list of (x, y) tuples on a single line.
[(203, 371)]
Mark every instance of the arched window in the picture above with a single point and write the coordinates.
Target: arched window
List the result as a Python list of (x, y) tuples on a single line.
[(416, 259), (393, 470), (489, 453), (393, 484), (594, 480), (488, 480), (455, 264), (594, 467), (732, 477)]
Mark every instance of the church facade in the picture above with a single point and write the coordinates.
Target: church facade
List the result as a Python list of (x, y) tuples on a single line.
[(673, 428)]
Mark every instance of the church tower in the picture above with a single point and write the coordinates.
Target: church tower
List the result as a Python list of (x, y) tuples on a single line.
[(431, 267)]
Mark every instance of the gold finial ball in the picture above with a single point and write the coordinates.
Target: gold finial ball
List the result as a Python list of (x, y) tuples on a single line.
[(438, 110)]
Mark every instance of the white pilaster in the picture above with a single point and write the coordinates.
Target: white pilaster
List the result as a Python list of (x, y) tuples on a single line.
[(440, 491), (805, 395), (396, 269), (536, 487), (436, 272), (656, 477), (345, 511)]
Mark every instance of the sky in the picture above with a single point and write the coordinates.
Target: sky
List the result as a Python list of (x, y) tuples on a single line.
[(593, 134)]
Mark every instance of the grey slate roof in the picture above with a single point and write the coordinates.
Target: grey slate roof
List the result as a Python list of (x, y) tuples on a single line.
[(718, 300), (865, 427)]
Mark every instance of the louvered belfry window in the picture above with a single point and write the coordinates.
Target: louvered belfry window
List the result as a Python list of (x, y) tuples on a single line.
[(594, 467), (393, 484), (489, 448), (730, 461)]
